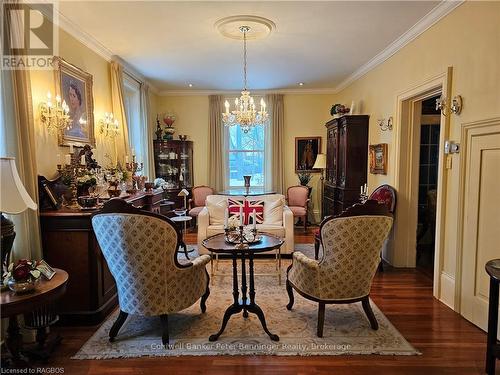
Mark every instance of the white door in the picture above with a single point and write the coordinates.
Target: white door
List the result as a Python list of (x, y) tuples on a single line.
[(481, 219)]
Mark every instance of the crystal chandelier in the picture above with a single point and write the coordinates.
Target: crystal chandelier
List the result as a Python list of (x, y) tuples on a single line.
[(245, 113)]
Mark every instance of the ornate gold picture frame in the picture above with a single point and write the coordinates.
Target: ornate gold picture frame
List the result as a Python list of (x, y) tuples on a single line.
[(378, 158), (75, 88)]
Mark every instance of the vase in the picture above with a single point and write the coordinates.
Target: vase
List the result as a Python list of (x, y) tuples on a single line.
[(21, 287), (247, 181)]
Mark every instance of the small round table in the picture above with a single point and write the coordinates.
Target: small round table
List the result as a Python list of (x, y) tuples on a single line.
[(217, 244), (493, 348), (46, 292), (183, 219), (247, 193)]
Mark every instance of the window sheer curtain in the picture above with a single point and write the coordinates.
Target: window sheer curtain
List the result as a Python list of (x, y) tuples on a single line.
[(275, 155), (217, 155), (119, 111), (17, 139), (147, 131)]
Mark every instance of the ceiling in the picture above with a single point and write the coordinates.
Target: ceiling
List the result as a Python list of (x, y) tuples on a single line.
[(174, 44)]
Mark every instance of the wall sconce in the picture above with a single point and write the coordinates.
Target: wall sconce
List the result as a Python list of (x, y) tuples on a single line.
[(455, 107), (385, 124), (55, 116), (108, 126)]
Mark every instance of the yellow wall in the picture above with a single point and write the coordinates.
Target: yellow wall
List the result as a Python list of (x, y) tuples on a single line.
[(42, 81), (305, 115), (468, 39)]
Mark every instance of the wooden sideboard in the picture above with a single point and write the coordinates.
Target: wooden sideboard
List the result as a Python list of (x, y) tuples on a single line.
[(68, 242)]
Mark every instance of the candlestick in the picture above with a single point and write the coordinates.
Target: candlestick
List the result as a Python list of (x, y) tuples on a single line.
[(67, 159), (241, 214), (70, 149), (226, 218), (254, 220), (82, 160)]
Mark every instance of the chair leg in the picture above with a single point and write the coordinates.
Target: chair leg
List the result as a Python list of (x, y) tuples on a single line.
[(381, 265), (316, 248), (164, 329), (305, 223), (289, 290), (117, 325), (369, 313), (321, 319), (204, 297)]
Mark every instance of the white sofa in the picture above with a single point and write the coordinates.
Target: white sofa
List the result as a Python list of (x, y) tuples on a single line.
[(278, 219)]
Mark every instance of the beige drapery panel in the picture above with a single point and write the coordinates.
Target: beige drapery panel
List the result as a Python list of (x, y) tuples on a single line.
[(18, 141), (277, 123), (216, 149), (149, 166), (122, 147)]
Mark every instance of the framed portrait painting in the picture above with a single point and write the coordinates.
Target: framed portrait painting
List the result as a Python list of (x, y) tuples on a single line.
[(378, 158), (306, 150), (75, 88)]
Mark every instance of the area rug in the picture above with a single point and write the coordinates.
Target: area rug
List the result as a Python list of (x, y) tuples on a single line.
[(346, 329)]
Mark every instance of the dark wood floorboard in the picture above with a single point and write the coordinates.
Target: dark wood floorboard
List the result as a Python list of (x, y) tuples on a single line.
[(449, 344)]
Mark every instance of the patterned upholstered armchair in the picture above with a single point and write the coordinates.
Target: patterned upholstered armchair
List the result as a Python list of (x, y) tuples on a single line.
[(385, 194), (140, 248), (351, 254)]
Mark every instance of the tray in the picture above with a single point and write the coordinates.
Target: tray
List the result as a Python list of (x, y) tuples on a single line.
[(234, 239)]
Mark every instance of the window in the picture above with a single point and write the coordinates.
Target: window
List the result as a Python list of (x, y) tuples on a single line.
[(246, 156), (132, 103)]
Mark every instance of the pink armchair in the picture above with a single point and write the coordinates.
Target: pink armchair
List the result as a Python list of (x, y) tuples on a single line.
[(196, 204), (298, 200)]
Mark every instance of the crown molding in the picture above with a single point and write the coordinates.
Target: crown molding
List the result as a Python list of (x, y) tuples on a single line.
[(431, 18), (322, 91)]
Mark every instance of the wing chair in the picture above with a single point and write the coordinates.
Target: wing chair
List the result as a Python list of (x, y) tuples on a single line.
[(197, 203), (385, 194), (351, 254), (140, 248), (298, 200)]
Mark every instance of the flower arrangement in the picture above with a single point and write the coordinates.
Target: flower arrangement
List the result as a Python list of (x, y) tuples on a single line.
[(21, 274), (233, 222), (86, 180), (160, 182)]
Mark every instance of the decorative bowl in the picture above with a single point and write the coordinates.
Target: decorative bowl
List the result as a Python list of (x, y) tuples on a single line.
[(87, 201), (21, 287), (180, 211), (113, 193)]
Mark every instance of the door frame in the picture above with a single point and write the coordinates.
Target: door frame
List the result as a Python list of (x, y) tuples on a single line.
[(407, 121), (468, 130)]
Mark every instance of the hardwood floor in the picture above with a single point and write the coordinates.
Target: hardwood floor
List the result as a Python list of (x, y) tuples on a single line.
[(449, 344)]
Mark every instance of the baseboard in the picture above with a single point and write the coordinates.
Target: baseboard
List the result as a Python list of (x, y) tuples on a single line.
[(447, 295)]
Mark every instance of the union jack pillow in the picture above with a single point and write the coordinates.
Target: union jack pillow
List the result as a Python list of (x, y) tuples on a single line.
[(248, 205)]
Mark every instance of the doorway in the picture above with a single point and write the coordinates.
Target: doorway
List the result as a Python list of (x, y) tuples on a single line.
[(430, 125)]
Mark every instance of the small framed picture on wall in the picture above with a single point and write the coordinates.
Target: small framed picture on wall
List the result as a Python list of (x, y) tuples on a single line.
[(306, 150), (378, 158)]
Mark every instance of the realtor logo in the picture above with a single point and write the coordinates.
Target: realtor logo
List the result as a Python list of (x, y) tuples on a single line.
[(28, 37)]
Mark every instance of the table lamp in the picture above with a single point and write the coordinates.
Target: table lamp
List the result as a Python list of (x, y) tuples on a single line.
[(14, 199), (184, 193), (320, 163)]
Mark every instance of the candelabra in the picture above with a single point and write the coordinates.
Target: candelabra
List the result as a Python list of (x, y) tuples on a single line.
[(72, 169), (55, 116), (108, 126), (133, 168), (363, 196), (239, 237)]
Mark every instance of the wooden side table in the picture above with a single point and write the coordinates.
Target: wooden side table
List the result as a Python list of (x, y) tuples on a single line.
[(183, 220), (493, 347), (46, 293)]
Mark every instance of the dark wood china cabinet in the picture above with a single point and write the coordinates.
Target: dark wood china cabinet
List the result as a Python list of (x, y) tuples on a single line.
[(346, 162)]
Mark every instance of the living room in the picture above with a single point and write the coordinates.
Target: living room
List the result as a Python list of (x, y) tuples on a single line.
[(393, 106)]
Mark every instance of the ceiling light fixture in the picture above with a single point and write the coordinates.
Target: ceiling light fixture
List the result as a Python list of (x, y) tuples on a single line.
[(245, 113), (301, 83), (190, 84)]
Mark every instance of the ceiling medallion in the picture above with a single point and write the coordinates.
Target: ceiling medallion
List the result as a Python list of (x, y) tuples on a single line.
[(259, 27)]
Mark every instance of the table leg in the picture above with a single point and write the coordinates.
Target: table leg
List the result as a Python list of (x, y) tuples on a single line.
[(492, 328), (235, 307), (244, 286), (14, 339), (253, 307)]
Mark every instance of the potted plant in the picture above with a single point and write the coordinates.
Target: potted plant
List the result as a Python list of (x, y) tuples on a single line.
[(304, 178), (22, 276)]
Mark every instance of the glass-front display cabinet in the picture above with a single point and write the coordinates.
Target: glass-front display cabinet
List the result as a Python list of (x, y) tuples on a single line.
[(174, 163)]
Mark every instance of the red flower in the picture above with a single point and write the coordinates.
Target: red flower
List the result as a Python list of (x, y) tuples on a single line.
[(21, 272)]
